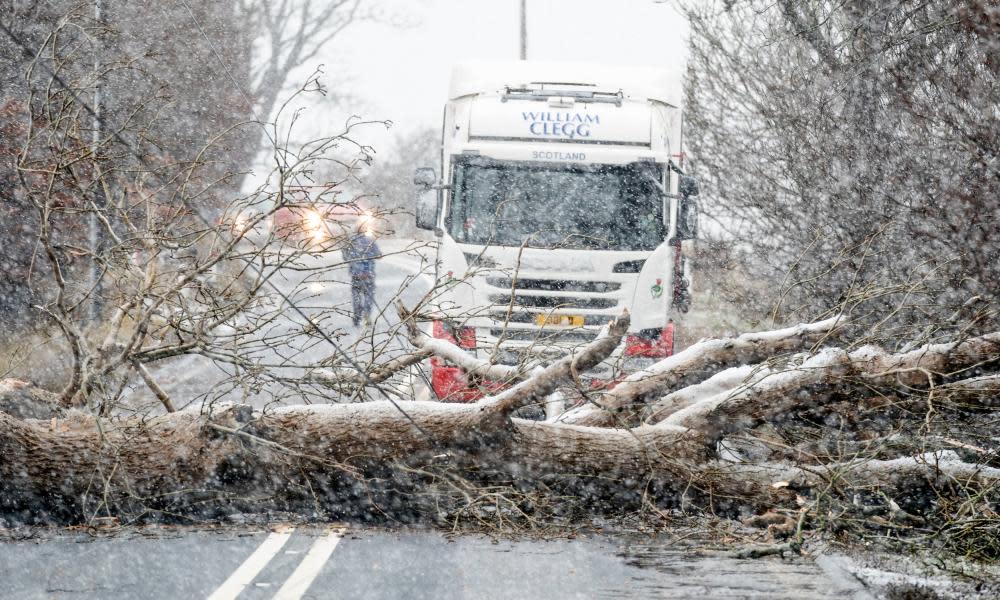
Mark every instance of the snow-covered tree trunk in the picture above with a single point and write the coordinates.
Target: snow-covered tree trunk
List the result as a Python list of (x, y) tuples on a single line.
[(81, 465)]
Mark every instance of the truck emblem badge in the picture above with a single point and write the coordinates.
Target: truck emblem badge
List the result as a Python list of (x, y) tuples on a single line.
[(656, 289)]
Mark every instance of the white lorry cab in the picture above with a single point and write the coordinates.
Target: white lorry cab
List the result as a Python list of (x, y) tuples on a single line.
[(559, 202)]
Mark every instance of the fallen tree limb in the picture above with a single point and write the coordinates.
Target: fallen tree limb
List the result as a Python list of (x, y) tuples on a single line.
[(888, 474), (378, 374), (452, 353), (696, 362), (867, 367), (545, 381), (724, 382)]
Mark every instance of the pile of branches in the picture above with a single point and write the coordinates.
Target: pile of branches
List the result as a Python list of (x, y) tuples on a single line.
[(779, 428)]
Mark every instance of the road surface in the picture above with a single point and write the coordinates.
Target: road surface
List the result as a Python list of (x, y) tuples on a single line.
[(290, 563), (192, 379)]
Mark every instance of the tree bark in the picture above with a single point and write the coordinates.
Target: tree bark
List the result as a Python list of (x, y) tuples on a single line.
[(77, 468)]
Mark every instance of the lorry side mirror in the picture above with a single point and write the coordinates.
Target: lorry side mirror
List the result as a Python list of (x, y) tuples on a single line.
[(687, 218), (688, 186), (427, 208), (424, 177)]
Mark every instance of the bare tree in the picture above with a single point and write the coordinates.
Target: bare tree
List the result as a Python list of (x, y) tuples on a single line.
[(182, 279), (293, 32), (846, 154), (147, 78)]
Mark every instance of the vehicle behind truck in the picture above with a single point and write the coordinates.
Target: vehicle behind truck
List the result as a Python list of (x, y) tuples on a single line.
[(559, 201)]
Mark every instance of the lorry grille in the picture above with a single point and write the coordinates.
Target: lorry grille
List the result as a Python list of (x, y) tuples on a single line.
[(555, 285), (530, 300), (547, 336), (555, 301)]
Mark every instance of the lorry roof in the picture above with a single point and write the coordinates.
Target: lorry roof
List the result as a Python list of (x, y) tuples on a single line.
[(638, 83)]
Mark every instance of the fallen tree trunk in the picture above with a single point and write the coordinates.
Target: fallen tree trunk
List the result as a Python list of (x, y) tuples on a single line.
[(339, 457), (183, 459), (86, 466)]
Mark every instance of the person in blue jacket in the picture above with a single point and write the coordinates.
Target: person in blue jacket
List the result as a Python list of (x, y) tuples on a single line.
[(360, 254)]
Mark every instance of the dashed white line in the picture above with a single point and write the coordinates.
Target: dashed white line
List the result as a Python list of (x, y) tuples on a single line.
[(252, 566), (300, 580)]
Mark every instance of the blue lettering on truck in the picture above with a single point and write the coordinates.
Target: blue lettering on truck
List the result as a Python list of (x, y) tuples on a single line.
[(547, 155), (560, 124)]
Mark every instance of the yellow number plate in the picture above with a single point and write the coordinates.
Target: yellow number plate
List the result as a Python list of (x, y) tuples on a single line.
[(564, 320)]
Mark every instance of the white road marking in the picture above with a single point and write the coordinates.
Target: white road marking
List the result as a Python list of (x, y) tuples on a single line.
[(252, 566), (300, 580)]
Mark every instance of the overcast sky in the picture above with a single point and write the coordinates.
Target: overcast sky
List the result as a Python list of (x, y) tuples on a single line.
[(402, 74)]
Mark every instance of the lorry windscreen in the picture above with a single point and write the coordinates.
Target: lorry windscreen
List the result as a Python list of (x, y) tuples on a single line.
[(551, 205)]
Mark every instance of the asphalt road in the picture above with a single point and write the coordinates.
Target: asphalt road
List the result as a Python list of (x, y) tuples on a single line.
[(193, 379), (287, 563)]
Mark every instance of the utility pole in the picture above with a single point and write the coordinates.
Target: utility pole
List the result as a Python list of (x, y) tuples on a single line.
[(94, 307), (524, 30)]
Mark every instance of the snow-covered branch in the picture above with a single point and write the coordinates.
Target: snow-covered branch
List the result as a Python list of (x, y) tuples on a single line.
[(695, 363)]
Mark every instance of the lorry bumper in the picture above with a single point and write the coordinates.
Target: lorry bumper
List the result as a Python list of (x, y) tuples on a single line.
[(452, 384)]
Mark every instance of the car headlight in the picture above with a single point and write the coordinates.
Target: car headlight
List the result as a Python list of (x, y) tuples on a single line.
[(240, 224), (366, 223), (315, 225)]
